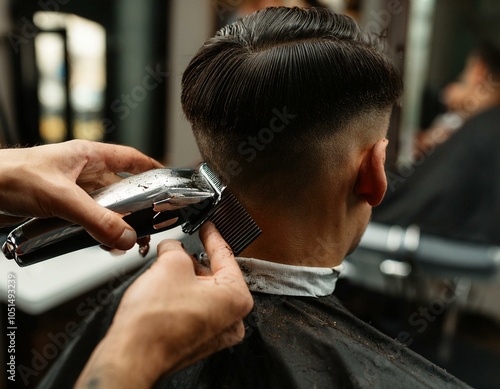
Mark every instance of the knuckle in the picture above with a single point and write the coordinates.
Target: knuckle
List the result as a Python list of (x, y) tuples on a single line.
[(223, 251), (247, 304), (108, 223), (81, 146), (107, 220)]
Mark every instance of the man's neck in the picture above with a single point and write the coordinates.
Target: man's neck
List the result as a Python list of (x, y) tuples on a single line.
[(317, 241)]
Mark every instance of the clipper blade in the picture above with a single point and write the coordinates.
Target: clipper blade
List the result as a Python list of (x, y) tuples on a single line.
[(234, 223)]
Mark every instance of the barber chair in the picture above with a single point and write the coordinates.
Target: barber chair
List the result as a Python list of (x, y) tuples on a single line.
[(431, 254), (402, 262)]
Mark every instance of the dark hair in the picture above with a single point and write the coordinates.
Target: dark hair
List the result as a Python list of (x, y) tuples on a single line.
[(315, 65), (490, 55)]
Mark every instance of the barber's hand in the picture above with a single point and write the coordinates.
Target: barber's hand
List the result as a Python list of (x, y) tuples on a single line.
[(52, 180), (170, 317)]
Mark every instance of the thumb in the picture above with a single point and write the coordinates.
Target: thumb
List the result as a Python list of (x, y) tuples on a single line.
[(102, 224)]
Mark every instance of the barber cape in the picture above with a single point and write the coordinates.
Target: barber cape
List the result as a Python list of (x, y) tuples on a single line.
[(298, 335)]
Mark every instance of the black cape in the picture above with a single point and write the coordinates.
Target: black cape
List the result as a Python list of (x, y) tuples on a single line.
[(454, 190), (291, 342)]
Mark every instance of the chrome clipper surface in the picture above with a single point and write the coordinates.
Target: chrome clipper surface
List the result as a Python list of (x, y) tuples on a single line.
[(153, 201)]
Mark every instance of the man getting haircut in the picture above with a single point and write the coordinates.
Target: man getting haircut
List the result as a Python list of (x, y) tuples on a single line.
[(290, 107), (309, 94)]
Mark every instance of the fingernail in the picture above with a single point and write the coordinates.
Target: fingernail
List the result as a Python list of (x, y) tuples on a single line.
[(112, 251), (127, 240)]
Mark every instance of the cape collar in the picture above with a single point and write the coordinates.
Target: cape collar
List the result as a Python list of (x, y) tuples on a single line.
[(276, 278)]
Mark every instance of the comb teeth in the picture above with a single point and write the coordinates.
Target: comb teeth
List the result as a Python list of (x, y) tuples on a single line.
[(234, 223)]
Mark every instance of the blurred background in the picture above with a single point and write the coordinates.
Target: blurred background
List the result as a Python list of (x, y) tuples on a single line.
[(110, 70)]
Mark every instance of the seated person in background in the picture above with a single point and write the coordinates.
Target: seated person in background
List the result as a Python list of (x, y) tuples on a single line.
[(453, 190), (444, 123), (472, 93), (290, 107)]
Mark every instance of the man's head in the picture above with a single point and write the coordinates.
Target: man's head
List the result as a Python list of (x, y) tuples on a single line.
[(477, 87), (286, 103)]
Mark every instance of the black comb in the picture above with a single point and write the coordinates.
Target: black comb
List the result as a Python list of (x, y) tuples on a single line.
[(232, 220), (234, 223)]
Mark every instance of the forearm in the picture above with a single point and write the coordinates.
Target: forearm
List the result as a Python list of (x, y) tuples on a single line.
[(115, 364), (110, 376), (10, 175)]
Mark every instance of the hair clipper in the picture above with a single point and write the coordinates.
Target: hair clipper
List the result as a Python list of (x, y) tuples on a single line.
[(153, 201)]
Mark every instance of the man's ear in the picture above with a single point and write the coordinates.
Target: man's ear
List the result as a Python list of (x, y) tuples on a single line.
[(371, 183)]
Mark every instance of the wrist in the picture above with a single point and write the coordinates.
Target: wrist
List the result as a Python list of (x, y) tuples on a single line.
[(7, 175), (14, 179), (122, 361)]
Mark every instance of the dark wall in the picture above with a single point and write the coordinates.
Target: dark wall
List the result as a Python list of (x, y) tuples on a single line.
[(136, 33)]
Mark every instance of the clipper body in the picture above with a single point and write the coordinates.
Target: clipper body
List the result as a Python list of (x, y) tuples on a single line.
[(153, 201)]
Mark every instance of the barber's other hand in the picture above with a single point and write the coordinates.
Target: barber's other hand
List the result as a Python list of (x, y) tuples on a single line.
[(52, 181), (170, 317)]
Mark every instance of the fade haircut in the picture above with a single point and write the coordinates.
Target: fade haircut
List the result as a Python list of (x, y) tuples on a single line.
[(265, 94)]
